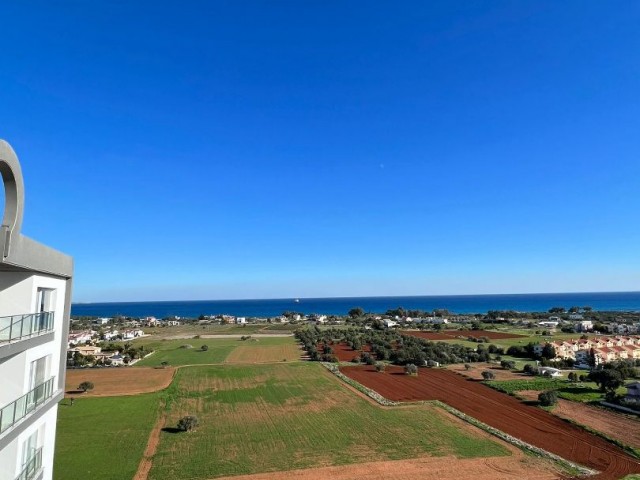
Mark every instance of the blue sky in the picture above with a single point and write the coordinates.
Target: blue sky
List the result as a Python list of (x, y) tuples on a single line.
[(211, 150)]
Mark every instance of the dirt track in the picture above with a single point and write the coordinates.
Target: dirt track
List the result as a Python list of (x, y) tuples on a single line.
[(441, 468), (530, 424)]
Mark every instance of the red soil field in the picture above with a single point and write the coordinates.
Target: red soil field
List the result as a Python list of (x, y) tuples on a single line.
[(451, 334), (528, 423), (344, 352)]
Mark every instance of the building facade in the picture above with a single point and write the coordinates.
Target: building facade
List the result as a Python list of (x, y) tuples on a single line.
[(35, 300)]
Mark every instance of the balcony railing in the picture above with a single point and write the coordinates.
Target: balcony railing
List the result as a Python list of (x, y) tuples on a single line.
[(29, 402), (32, 467), (19, 327)]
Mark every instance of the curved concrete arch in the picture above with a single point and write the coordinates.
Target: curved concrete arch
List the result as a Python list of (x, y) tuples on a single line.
[(13, 190)]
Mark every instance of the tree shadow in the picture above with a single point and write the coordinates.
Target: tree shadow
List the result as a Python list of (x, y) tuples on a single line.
[(74, 392), (171, 430)]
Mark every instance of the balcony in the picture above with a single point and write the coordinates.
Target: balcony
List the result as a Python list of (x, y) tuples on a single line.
[(20, 327), (32, 467), (26, 404)]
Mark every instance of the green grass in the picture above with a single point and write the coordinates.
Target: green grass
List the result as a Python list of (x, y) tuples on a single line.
[(219, 348), (577, 392), (287, 416), (103, 438)]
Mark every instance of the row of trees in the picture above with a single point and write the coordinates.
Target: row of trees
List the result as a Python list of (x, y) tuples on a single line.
[(386, 345)]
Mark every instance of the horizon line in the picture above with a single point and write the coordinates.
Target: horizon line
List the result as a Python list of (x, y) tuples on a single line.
[(360, 296)]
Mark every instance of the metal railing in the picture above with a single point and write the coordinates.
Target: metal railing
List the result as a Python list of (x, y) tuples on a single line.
[(32, 467), (18, 327), (23, 406)]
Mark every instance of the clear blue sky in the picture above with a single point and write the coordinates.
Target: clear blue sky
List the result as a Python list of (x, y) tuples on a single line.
[(211, 150)]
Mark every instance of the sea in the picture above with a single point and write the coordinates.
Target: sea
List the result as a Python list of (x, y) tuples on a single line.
[(460, 304)]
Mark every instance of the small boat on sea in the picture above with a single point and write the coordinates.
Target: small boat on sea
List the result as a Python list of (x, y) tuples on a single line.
[(296, 300)]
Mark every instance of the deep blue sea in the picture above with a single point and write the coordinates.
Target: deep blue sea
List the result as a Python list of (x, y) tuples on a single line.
[(539, 302)]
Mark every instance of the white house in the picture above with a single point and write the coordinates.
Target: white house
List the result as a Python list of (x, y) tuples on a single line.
[(389, 323), (35, 300), (549, 372), (584, 326), (241, 320), (101, 321)]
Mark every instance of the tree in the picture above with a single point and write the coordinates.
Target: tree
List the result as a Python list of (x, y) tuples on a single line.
[(188, 423), (487, 375), (204, 348), (557, 310), (380, 367), (548, 399), (607, 380), (548, 351), (85, 386), (508, 364), (356, 312), (467, 366), (528, 369), (164, 364), (410, 369)]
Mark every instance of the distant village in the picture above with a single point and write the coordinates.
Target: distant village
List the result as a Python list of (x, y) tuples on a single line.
[(106, 341)]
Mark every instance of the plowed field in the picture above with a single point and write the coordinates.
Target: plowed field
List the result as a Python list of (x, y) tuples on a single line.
[(530, 424), (118, 380), (344, 352), (451, 334)]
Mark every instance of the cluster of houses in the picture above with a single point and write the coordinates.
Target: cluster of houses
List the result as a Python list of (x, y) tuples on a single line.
[(99, 357), (83, 337), (600, 350)]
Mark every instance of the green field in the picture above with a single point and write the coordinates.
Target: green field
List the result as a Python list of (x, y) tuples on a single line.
[(227, 329), (287, 416), (103, 438), (578, 392), (171, 351)]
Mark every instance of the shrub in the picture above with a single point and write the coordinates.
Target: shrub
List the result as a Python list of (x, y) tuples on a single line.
[(204, 348), (487, 375), (467, 366), (380, 367), (508, 364), (528, 369), (410, 369), (188, 423), (85, 386), (548, 399)]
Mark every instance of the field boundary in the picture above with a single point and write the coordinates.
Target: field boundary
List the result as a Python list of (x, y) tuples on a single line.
[(146, 462), (566, 464)]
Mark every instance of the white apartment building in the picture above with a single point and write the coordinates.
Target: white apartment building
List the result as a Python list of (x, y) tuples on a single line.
[(35, 299)]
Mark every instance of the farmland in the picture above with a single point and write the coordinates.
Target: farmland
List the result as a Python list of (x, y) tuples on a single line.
[(103, 438), (531, 424), (177, 352), (260, 415), (245, 410), (119, 381), (454, 334)]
